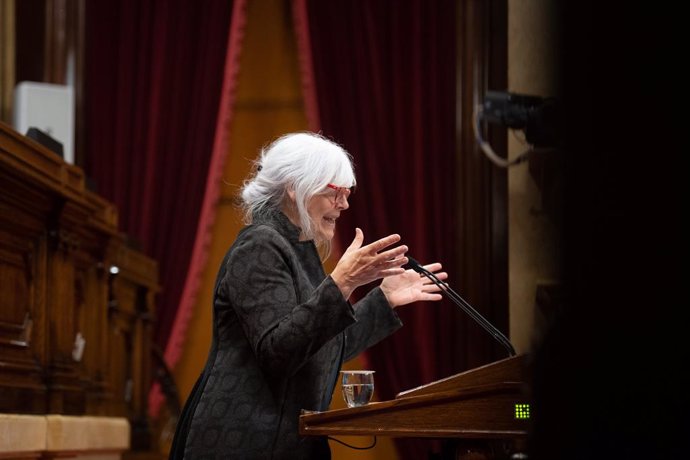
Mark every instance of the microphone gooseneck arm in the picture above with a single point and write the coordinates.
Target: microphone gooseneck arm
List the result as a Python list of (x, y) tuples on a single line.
[(462, 303)]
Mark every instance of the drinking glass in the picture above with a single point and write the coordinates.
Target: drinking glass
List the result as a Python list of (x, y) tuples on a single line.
[(358, 387)]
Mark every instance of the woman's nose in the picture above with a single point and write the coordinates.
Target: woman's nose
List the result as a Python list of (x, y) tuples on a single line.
[(342, 202)]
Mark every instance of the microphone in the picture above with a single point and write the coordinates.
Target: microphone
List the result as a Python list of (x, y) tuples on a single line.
[(462, 303)]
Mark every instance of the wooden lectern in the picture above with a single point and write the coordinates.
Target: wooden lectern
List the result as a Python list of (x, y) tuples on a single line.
[(487, 403)]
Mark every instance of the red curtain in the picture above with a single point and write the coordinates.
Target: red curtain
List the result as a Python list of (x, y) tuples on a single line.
[(154, 73), (381, 78)]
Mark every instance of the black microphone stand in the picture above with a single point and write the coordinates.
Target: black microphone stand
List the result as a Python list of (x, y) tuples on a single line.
[(462, 303)]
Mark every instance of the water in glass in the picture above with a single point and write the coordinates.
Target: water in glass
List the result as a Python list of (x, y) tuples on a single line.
[(358, 387)]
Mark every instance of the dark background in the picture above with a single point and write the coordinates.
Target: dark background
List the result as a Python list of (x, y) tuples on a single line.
[(610, 378)]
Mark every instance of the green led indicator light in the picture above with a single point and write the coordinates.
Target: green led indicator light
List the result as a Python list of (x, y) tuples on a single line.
[(521, 411)]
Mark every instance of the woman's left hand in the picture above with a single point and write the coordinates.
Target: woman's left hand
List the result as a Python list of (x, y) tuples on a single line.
[(410, 286)]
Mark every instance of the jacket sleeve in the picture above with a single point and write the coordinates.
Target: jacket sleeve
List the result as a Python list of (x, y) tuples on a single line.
[(375, 321), (283, 330)]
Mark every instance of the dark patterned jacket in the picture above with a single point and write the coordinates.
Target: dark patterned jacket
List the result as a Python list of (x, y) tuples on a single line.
[(281, 330)]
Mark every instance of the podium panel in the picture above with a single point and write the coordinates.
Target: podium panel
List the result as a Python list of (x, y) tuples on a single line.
[(486, 403), (477, 413)]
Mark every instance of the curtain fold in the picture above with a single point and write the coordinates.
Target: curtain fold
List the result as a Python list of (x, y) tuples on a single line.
[(384, 84), (156, 77), (221, 148)]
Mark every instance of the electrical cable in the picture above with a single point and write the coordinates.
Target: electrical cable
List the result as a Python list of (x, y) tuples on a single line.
[(351, 446), (486, 147)]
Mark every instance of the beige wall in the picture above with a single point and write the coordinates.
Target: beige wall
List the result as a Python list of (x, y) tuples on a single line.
[(533, 238)]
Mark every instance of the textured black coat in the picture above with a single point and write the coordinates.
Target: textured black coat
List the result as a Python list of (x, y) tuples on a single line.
[(281, 330)]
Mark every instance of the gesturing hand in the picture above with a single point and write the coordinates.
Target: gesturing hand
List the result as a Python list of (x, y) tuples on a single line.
[(360, 265), (410, 286)]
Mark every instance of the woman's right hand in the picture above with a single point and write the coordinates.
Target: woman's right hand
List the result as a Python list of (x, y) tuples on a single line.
[(360, 265)]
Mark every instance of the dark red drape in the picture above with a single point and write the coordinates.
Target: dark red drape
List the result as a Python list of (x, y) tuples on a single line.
[(154, 71), (384, 76)]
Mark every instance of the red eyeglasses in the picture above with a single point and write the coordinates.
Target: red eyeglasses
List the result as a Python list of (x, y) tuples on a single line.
[(340, 192)]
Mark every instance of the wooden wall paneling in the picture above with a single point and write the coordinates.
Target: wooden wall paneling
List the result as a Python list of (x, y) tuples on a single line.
[(103, 395), (90, 311), (91, 320), (74, 251), (57, 244), (7, 58), (23, 250), (22, 355), (120, 320), (30, 40), (483, 239), (56, 41), (131, 314)]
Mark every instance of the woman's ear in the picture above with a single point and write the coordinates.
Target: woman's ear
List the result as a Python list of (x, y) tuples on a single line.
[(291, 194)]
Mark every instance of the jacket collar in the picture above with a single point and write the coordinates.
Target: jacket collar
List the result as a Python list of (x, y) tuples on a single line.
[(278, 220), (305, 251)]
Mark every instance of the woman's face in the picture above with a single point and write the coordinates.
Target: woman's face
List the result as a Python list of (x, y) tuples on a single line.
[(324, 210)]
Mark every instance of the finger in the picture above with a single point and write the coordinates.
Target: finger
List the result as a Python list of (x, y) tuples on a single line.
[(357, 241), (393, 263), (378, 245), (391, 254), (432, 297), (441, 276), (382, 263), (431, 288), (391, 272), (433, 267)]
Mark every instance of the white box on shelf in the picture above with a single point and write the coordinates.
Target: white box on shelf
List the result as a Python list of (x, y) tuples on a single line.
[(48, 107)]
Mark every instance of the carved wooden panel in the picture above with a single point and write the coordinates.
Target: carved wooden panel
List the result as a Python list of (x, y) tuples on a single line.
[(23, 248), (75, 301)]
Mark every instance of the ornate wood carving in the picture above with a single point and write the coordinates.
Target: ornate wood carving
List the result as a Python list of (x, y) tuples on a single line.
[(75, 337)]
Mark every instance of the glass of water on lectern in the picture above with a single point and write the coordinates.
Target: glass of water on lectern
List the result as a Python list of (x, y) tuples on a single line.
[(358, 387)]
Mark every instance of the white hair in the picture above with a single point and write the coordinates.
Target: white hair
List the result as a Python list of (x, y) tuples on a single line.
[(304, 162)]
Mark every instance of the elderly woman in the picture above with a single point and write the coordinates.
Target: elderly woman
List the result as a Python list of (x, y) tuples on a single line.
[(282, 327)]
